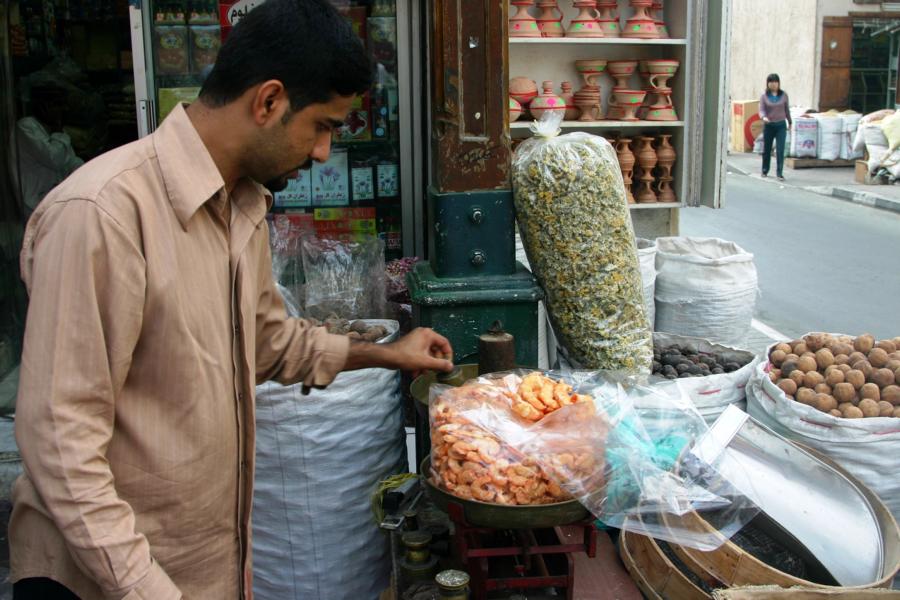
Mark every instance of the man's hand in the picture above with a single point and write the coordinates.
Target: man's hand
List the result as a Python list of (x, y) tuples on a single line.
[(421, 350)]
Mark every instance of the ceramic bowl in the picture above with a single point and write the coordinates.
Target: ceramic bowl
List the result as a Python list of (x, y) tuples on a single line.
[(621, 67), (523, 90), (590, 66), (662, 67), (625, 97)]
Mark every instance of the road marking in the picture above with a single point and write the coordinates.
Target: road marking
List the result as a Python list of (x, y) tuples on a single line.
[(768, 331)]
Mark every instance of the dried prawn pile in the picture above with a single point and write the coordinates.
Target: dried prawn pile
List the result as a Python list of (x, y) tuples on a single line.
[(471, 462)]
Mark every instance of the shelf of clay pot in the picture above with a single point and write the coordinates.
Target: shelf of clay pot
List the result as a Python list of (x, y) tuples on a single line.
[(655, 205), (619, 41), (586, 125)]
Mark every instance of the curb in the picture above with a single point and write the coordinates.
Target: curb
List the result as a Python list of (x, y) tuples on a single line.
[(862, 198)]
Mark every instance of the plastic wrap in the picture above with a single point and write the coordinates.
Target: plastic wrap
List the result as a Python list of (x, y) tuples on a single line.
[(804, 137), (617, 448), (576, 229), (830, 135), (849, 125), (287, 264), (344, 279)]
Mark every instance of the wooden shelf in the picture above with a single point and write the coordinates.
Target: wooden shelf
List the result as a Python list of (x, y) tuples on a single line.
[(599, 125), (655, 205), (601, 41)]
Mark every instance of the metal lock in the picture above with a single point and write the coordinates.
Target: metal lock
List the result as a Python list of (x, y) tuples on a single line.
[(477, 215)]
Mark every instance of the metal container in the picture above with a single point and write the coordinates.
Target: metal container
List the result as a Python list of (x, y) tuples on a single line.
[(820, 506), (417, 564), (501, 516), (453, 585)]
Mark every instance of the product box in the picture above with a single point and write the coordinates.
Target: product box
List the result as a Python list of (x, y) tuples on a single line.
[(169, 98), (298, 193), (362, 181), (357, 127), (171, 45), (340, 214), (230, 13), (205, 43), (331, 181), (745, 125), (382, 39), (388, 180)]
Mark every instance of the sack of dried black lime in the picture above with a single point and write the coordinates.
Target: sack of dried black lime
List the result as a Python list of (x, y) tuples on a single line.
[(576, 228)]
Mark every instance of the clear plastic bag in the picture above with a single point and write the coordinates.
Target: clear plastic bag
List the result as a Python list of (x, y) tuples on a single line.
[(619, 448), (344, 279), (576, 228), (287, 265)]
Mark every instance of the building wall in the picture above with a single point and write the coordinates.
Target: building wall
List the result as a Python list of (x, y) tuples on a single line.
[(774, 36)]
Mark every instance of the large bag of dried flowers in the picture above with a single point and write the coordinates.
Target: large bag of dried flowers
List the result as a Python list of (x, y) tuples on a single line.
[(576, 228)]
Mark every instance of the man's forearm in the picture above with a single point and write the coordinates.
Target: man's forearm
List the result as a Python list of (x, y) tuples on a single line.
[(365, 355)]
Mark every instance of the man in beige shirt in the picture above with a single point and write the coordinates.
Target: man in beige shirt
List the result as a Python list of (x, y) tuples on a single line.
[(153, 315)]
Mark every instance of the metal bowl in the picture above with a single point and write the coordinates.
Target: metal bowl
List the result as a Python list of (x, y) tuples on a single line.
[(500, 516)]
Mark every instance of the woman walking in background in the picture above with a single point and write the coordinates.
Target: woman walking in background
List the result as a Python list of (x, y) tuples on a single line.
[(775, 112)]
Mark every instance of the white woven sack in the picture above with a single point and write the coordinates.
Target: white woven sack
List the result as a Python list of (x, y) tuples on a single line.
[(804, 137), (867, 448), (829, 144), (705, 287), (849, 127), (647, 260), (318, 460)]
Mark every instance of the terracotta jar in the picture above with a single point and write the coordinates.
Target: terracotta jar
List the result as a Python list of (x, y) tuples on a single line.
[(523, 90), (659, 18), (572, 110), (666, 193), (547, 102), (626, 165), (641, 25), (515, 110), (608, 19), (584, 25), (665, 154), (549, 23), (647, 159), (522, 24)]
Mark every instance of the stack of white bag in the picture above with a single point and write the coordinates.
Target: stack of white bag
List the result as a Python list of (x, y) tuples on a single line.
[(849, 125), (705, 287), (871, 137), (804, 137), (319, 458), (830, 127)]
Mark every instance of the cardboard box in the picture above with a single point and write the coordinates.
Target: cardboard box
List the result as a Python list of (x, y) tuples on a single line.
[(298, 193), (861, 174), (331, 181), (745, 125)]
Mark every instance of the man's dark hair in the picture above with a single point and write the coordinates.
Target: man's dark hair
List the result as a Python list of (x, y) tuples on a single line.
[(305, 44)]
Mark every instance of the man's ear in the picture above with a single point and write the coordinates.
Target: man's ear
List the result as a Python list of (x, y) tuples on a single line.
[(269, 102)]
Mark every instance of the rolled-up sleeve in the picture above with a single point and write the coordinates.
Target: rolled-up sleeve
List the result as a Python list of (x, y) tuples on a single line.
[(86, 280), (290, 350)]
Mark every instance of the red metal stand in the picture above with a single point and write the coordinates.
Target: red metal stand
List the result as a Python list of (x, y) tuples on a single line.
[(540, 559)]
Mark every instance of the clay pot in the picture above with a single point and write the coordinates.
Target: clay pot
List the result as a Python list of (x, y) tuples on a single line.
[(621, 71), (656, 11), (665, 154), (522, 24), (549, 24), (523, 90), (626, 164), (584, 25), (646, 155), (590, 69), (641, 25), (515, 110), (547, 102), (588, 102), (666, 193), (629, 101), (568, 96), (608, 19)]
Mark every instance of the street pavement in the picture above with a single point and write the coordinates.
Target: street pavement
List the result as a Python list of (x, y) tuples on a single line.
[(824, 264)]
